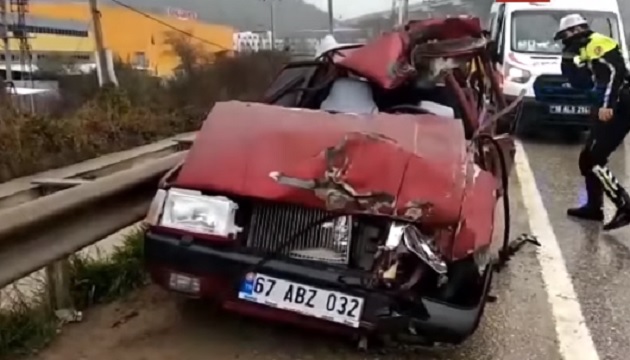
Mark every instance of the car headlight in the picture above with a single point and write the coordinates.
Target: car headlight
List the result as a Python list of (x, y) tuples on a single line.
[(516, 74), (192, 211)]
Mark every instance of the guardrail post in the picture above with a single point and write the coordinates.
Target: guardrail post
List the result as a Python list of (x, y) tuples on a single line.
[(58, 274), (58, 284)]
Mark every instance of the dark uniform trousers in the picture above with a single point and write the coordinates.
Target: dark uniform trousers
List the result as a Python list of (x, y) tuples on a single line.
[(603, 140)]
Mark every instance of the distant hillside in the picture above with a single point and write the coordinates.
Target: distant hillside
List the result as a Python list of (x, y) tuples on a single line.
[(291, 15), (382, 21)]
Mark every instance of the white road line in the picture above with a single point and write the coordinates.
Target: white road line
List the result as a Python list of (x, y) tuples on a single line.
[(574, 337)]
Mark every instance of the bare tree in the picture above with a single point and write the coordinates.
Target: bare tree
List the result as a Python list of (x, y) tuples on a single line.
[(190, 53)]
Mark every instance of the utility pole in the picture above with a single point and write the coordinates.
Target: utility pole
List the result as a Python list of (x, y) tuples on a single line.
[(100, 45), (405, 11), (392, 15), (331, 18), (4, 21)]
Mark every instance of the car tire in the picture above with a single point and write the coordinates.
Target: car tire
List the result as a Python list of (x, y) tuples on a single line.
[(524, 127), (573, 136), (504, 125)]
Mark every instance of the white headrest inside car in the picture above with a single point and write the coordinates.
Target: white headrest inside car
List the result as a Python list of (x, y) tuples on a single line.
[(437, 109), (350, 95)]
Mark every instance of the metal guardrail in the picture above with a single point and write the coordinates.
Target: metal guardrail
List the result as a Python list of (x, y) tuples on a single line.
[(36, 233), (29, 188)]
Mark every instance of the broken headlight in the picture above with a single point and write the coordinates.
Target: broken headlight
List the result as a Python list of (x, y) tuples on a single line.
[(417, 243)]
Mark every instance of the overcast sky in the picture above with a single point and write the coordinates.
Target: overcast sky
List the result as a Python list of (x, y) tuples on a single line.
[(351, 8)]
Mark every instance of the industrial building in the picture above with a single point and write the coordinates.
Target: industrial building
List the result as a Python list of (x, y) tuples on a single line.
[(140, 38), (254, 41), (50, 38)]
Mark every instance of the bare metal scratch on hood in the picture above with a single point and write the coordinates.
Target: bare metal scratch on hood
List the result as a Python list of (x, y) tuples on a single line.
[(338, 194)]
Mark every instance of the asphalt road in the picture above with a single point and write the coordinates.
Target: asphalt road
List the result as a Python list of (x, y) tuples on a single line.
[(567, 300), (598, 262)]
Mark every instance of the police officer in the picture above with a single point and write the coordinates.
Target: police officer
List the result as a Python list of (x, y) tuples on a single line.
[(594, 62)]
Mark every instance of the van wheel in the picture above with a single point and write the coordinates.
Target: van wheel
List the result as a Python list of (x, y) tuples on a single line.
[(504, 126), (525, 128), (572, 136), (507, 124)]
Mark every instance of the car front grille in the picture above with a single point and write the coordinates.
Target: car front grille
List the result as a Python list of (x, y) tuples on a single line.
[(273, 224)]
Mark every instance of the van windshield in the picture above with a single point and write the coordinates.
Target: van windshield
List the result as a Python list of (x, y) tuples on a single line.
[(533, 31)]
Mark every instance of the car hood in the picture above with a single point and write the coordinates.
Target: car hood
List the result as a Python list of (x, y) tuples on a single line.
[(407, 166)]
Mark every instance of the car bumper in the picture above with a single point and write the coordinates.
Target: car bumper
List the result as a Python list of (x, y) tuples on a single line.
[(537, 113), (220, 271)]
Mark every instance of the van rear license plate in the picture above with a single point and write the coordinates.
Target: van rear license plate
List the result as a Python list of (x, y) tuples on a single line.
[(570, 109), (303, 299)]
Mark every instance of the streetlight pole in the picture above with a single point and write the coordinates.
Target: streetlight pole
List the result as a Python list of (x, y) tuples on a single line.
[(331, 18), (272, 19)]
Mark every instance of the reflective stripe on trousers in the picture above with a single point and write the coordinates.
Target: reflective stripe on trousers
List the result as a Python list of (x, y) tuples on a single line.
[(608, 180)]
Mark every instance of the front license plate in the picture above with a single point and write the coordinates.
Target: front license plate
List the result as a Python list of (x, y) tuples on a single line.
[(306, 300), (570, 109)]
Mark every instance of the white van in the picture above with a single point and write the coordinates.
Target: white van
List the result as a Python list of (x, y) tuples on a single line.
[(528, 58)]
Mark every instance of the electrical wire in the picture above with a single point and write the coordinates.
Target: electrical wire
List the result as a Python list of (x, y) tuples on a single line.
[(82, 39), (164, 23)]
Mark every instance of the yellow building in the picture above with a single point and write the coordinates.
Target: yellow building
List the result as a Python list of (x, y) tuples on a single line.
[(47, 37), (137, 38)]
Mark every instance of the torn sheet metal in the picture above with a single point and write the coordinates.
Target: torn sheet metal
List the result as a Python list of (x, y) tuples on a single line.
[(412, 169)]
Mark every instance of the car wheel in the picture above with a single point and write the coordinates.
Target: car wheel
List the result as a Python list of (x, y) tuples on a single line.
[(525, 126), (572, 136), (504, 125)]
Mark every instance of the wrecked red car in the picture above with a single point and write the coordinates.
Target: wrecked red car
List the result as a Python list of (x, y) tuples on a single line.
[(358, 197)]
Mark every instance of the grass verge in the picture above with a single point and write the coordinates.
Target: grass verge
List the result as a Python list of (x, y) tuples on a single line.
[(88, 121), (29, 324)]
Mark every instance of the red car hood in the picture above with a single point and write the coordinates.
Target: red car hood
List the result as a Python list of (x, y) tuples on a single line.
[(409, 166)]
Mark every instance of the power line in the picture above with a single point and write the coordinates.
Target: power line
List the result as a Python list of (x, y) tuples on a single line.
[(81, 40), (164, 23)]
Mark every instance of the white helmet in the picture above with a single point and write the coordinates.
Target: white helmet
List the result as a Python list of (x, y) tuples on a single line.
[(568, 22)]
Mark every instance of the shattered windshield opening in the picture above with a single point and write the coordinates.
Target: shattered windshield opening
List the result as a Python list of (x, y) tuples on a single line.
[(533, 31)]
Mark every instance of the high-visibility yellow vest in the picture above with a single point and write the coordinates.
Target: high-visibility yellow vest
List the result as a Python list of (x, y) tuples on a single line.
[(597, 46)]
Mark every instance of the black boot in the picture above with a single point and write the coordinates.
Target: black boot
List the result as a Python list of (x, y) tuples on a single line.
[(617, 194), (587, 212), (621, 219), (622, 215), (593, 209)]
